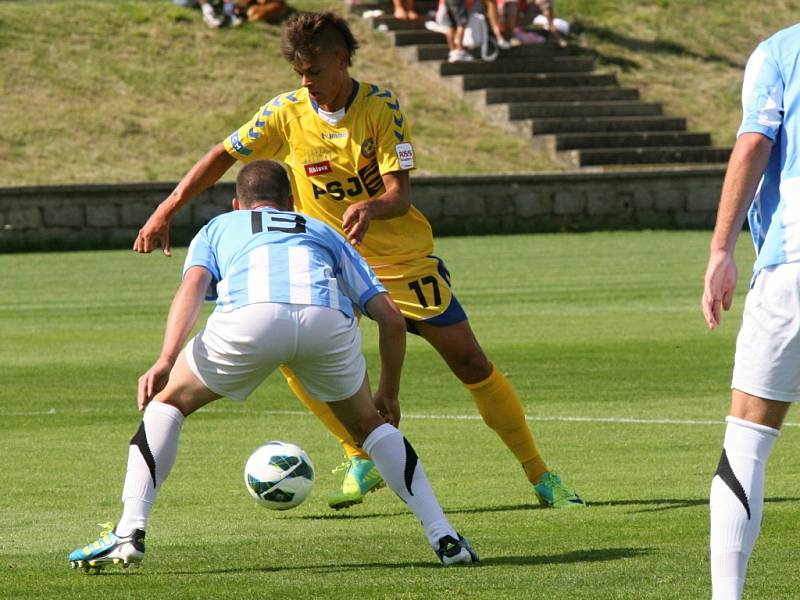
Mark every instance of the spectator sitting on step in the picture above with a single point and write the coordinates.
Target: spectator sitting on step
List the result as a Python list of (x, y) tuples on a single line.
[(546, 8), (215, 15), (492, 15), (451, 19), (404, 9), (271, 11)]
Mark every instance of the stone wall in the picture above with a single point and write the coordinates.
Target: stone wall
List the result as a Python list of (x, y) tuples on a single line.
[(108, 216)]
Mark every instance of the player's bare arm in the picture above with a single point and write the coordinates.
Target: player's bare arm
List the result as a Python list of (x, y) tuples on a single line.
[(183, 313), (394, 202), (748, 161), (392, 344), (205, 173)]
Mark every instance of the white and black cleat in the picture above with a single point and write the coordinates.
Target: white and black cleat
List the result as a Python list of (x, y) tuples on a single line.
[(453, 551)]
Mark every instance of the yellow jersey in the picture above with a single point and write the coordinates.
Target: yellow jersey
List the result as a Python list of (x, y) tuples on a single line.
[(334, 166)]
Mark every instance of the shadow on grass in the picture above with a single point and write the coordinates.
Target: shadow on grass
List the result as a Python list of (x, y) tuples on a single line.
[(658, 46), (661, 504), (400, 512), (576, 556)]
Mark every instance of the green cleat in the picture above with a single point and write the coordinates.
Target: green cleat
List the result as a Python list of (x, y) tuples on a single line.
[(361, 476), (554, 493)]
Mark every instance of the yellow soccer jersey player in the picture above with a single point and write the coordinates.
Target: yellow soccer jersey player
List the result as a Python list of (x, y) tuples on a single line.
[(349, 148), (335, 165)]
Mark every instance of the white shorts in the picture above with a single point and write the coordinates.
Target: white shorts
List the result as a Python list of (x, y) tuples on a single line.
[(237, 350), (767, 361)]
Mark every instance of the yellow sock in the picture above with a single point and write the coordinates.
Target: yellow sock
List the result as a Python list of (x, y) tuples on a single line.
[(324, 414), (501, 409)]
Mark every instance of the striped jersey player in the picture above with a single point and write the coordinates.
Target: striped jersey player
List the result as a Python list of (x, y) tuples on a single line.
[(349, 148)]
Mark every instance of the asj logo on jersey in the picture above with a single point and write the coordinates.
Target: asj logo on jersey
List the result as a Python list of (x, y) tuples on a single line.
[(368, 148), (405, 154), (319, 168)]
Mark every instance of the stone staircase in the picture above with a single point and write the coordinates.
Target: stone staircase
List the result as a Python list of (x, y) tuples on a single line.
[(581, 117)]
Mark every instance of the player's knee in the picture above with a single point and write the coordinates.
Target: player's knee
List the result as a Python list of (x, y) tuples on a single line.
[(472, 366)]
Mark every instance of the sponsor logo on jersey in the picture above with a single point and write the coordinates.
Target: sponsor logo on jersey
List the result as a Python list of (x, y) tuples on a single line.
[(405, 154), (319, 168), (238, 146), (335, 135), (368, 148)]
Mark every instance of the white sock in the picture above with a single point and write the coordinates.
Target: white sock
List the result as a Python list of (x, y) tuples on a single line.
[(150, 458), (737, 502), (400, 468)]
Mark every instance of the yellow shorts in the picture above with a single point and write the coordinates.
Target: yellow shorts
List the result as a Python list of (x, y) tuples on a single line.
[(421, 290)]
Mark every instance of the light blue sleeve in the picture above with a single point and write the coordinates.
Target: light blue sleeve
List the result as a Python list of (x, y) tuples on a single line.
[(356, 279), (201, 254), (762, 95)]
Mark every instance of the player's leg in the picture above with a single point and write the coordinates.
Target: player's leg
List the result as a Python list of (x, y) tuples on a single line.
[(151, 456), (765, 381), (360, 475), (402, 470), (737, 489), (499, 406), (228, 357)]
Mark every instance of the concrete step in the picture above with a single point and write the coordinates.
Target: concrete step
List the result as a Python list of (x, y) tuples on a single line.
[(607, 124), (630, 156), (423, 7), (554, 64), (558, 94), (581, 141), (387, 22), (545, 110), (535, 80), (415, 37), (439, 51)]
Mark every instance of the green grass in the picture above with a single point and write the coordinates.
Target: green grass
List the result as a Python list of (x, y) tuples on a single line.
[(594, 326), (688, 55), (137, 90)]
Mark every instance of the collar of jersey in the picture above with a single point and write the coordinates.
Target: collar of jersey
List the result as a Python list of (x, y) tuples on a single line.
[(347, 104)]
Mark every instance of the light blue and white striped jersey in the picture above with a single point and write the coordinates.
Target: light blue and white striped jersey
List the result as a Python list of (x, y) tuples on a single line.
[(265, 255), (771, 103)]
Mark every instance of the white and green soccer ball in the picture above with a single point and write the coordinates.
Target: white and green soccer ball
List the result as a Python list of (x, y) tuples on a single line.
[(279, 475)]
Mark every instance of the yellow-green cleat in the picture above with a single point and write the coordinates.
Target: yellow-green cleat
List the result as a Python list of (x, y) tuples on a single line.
[(361, 476), (554, 493)]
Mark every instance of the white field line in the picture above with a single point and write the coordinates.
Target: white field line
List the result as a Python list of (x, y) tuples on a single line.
[(421, 417)]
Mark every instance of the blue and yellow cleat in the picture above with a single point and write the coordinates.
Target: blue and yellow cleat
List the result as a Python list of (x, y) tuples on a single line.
[(109, 548), (554, 493), (361, 477), (453, 551)]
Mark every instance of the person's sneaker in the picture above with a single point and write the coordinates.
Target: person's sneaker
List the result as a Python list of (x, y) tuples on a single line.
[(210, 17), (361, 476), (554, 493), (453, 551), (503, 44), (459, 55), (109, 548)]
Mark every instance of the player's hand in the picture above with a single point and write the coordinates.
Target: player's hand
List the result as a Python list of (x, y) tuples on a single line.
[(153, 234), (152, 382), (355, 222), (720, 283), (389, 407)]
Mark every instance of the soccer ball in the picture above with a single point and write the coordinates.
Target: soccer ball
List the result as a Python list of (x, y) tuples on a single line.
[(279, 475)]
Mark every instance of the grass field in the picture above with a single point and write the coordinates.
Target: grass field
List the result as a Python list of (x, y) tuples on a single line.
[(95, 91), (600, 333)]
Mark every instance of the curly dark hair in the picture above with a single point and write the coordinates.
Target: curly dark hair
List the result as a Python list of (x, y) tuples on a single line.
[(307, 35)]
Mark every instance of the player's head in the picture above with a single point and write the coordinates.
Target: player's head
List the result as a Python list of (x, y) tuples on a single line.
[(261, 183), (320, 47)]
